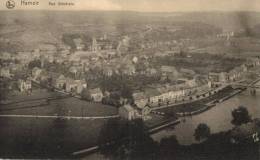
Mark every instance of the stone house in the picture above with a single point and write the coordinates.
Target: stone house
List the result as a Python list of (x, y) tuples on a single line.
[(129, 69), (108, 71), (253, 61), (58, 80), (6, 56), (47, 48), (24, 84), (5, 72), (153, 95), (146, 113), (237, 73), (139, 99), (221, 77), (170, 93), (169, 70), (79, 43), (128, 112), (36, 72), (150, 71), (95, 95), (44, 77), (75, 86), (24, 57)]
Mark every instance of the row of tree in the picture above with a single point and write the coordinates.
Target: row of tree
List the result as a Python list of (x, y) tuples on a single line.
[(130, 140)]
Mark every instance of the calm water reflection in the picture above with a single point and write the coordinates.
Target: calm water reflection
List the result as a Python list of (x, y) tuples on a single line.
[(218, 118)]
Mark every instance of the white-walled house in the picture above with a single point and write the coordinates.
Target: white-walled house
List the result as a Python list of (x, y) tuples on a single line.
[(75, 86), (24, 85), (139, 99), (95, 95), (5, 72), (127, 112)]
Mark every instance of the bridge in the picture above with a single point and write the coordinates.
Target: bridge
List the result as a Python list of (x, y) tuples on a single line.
[(246, 85), (252, 85)]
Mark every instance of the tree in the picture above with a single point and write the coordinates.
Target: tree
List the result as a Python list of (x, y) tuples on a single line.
[(110, 100), (169, 147), (202, 132), (34, 63), (85, 95), (4, 90), (126, 91), (109, 133), (131, 141), (240, 116), (74, 71)]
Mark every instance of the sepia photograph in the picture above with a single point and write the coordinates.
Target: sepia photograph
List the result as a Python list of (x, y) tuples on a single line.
[(130, 79)]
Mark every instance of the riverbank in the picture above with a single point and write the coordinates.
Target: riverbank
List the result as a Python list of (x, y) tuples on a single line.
[(216, 147), (209, 105), (151, 130), (154, 126), (202, 105)]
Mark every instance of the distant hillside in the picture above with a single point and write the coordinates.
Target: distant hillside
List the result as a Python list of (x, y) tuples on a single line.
[(225, 20), (31, 27)]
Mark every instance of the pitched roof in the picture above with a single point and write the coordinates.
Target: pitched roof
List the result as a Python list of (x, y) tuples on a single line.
[(47, 47), (95, 91), (163, 89), (128, 108), (138, 95), (55, 75), (151, 92), (35, 68), (168, 69)]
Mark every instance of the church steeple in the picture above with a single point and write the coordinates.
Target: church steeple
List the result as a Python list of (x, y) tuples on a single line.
[(94, 44)]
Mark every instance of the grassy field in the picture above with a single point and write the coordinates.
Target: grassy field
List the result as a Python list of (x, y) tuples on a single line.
[(35, 137), (37, 104), (61, 107), (37, 93), (28, 137)]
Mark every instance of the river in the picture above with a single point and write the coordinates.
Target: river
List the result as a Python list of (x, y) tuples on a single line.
[(218, 118), (37, 137)]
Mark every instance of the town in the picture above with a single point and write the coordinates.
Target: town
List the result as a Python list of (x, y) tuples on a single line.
[(159, 73), (88, 70)]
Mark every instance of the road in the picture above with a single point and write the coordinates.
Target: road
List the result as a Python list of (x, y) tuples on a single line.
[(59, 117)]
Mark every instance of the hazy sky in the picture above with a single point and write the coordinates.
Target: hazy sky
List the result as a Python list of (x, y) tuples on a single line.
[(148, 5)]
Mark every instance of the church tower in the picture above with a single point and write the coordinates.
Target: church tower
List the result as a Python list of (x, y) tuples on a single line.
[(94, 44)]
